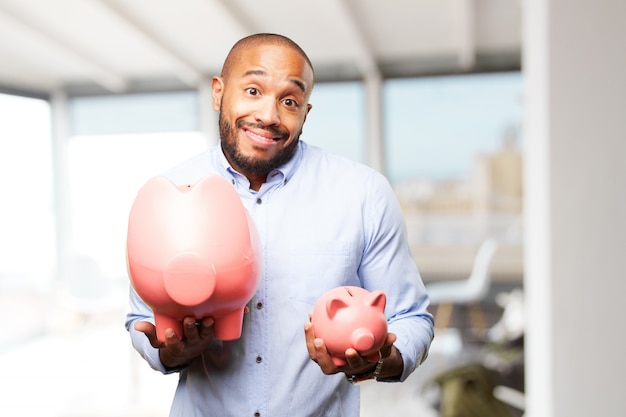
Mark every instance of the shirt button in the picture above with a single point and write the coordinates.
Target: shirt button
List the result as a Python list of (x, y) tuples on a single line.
[(259, 359), (259, 201), (257, 414), (259, 305)]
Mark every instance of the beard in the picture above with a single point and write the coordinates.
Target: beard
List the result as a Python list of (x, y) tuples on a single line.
[(251, 165)]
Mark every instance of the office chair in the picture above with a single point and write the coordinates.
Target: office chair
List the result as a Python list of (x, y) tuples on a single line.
[(470, 291)]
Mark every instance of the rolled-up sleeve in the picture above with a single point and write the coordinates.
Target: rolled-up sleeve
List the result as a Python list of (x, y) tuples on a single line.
[(388, 265)]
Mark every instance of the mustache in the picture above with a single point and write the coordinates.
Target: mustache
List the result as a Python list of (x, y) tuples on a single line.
[(281, 134)]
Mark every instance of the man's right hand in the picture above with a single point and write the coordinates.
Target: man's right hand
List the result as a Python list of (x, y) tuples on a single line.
[(175, 352)]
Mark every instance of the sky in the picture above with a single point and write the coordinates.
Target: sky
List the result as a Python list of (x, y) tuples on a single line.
[(437, 126), (434, 126)]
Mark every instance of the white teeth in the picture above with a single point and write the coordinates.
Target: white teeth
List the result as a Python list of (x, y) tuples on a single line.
[(259, 137)]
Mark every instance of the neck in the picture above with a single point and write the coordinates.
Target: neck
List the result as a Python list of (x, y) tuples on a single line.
[(256, 181)]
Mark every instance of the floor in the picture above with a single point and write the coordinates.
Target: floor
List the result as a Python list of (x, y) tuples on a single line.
[(70, 366)]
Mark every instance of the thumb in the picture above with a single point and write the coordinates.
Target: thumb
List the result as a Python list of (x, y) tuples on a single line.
[(149, 330), (387, 347)]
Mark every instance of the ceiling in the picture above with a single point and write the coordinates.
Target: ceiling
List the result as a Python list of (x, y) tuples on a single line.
[(117, 46)]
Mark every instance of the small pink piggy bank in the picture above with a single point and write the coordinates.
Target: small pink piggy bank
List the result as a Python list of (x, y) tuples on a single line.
[(192, 251), (351, 317)]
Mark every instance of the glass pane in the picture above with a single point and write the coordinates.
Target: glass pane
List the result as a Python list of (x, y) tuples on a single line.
[(436, 127), (105, 174), (336, 121), (27, 233), (454, 156), (134, 113), (27, 243)]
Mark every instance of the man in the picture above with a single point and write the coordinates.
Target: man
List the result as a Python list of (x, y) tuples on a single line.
[(324, 221)]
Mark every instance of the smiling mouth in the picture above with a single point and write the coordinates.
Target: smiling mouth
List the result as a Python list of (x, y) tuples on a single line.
[(261, 138), (262, 134)]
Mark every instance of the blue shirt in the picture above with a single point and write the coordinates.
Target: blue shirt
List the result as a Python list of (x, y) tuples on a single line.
[(324, 221)]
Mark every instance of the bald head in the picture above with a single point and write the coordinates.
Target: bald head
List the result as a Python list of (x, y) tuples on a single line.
[(256, 40)]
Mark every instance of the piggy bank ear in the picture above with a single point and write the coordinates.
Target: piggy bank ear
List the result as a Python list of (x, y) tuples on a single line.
[(333, 305), (377, 299)]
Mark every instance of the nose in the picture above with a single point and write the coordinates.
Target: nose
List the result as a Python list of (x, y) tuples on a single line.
[(267, 112)]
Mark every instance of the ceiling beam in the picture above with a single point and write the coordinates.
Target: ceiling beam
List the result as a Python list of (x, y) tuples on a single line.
[(366, 61), (184, 70), (467, 41), (102, 74), (30, 93), (244, 23)]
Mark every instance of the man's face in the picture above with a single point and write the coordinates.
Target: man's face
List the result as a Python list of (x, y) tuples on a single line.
[(263, 103)]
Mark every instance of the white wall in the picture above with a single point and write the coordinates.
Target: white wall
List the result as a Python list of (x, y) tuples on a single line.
[(575, 69)]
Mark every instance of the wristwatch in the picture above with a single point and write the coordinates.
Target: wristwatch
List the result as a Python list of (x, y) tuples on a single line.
[(353, 379)]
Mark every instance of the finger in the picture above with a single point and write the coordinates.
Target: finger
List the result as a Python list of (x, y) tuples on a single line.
[(144, 327), (317, 350), (322, 357), (149, 330), (190, 330), (309, 334), (172, 342), (355, 361), (206, 327), (387, 347)]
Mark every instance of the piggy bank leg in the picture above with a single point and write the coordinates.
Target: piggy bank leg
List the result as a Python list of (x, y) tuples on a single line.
[(228, 327), (338, 361), (373, 357), (163, 323)]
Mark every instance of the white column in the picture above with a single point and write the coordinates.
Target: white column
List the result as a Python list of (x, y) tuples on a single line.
[(575, 190), (62, 206), (375, 143)]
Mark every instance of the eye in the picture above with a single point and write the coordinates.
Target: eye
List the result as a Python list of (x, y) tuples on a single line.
[(289, 102), (252, 91)]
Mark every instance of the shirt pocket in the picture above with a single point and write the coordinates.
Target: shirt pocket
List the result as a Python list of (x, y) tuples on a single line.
[(316, 267)]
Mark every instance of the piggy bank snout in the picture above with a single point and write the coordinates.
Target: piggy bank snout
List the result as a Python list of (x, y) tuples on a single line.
[(362, 339), (189, 279)]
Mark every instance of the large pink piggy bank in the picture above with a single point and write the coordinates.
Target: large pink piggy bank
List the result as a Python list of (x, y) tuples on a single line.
[(351, 317), (192, 251)]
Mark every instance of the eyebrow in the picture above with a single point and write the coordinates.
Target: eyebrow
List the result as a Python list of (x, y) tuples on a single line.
[(262, 73)]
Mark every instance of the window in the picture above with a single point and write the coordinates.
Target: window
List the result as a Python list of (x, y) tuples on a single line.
[(27, 235), (454, 156), (336, 121), (105, 174)]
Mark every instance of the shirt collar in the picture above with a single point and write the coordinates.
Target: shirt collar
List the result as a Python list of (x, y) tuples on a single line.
[(284, 173)]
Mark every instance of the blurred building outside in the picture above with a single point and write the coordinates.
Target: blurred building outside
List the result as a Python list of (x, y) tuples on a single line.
[(448, 219)]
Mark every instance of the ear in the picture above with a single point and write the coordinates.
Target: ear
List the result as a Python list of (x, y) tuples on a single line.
[(308, 109), (377, 299), (333, 305), (217, 86)]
